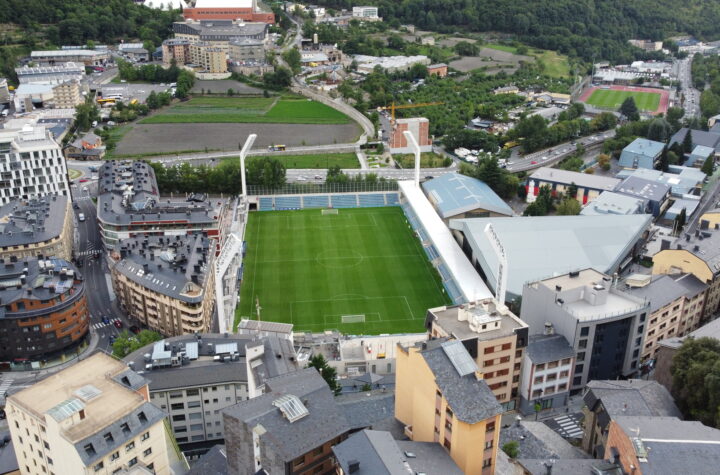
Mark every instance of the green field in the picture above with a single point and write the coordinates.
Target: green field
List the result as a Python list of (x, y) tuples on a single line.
[(311, 269), (265, 110), (613, 99), (318, 160)]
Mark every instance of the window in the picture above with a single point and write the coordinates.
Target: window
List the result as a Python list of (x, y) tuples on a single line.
[(487, 363), (89, 449), (487, 463), (577, 380), (489, 349), (584, 331), (565, 361), (147, 451), (125, 428), (564, 374), (540, 367), (581, 356), (178, 417), (108, 437), (47, 446), (192, 392), (115, 456), (177, 406), (192, 404), (488, 444), (98, 467), (582, 344), (195, 416), (129, 446), (552, 364), (538, 380), (132, 461), (49, 460), (490, 426), (506, 346), (504, 359), (579, 368), (196, 427)]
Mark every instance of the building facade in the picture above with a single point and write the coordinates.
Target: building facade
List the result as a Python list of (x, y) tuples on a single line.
[(219, 33), (419, 127), (90, 418), (50, 74), (494, 337), (583, 187), (88, 57), (244, 10), (208, 58), (247, 50), (177, 49), (31, 165)]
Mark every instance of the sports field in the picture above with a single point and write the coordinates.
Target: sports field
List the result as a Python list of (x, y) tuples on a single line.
[(613, 99), (286, 109), (361, 271)]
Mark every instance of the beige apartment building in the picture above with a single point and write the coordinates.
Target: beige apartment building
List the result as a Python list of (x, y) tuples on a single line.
[(208, 58), (91, 418), (167, 282), (37, 227), (67, 95), (494, 337)]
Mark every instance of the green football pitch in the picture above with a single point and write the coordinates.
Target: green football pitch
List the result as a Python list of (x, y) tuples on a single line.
[(613, 99), (360, 271)]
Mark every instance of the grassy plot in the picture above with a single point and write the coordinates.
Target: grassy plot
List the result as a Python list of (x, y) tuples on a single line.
[(556, 65), (613, 99), (316, 270), (427, 160), (326, 160), (283, 110)]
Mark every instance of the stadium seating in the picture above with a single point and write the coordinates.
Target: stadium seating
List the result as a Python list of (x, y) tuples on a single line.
[(444, 273), (265, 204), (287, 202), (315, 201), (392, 199), (453, 291), (431, 252), (374, 200), (344, 201)]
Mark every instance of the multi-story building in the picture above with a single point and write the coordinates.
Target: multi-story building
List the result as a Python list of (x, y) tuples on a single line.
[(583, 187), (50, 74), (219, 33), (676, 306), (641, 153), (44, 312), (208, 58), (247, 49), (696, 253), (243, 10), (608, 400), (494, 337), (605, 326), (67, 95), (420, 129), (31, 165), (42, 226), (90, 418), (441, 397), (547, 372), (365, 12), (290, 429), (177, 49), (129, 204), (88, 57), (167, 283), (195, 377)]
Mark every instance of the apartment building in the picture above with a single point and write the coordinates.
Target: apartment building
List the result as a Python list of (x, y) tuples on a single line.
[(247, 49), (290, 429), (90, 418), (546, 372), (208, 58), (175, 49), (676, 306), (441, 397), (42, 226), (167, 283), (605, 327), (195, 377), (31, 165), (44, 312), (419, 127), (219, 33), (129, 204), (495, 339), (696, 253), (366, 13), (67, 95)]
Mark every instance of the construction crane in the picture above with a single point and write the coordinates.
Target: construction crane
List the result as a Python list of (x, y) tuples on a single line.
[(392, 107)]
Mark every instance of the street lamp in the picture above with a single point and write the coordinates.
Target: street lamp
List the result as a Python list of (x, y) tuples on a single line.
[(416, 149), (243, 153)]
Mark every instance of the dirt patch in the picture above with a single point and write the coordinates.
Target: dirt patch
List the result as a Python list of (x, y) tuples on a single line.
[(494, 60), (450, 42), (169, 138), (221, 87)]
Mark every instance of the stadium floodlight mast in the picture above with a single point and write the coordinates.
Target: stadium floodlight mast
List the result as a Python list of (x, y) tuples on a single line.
[(416, 150), (243, 153)]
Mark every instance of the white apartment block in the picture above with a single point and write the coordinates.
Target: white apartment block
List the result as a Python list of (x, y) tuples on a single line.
[(32, 165), (365, 12)]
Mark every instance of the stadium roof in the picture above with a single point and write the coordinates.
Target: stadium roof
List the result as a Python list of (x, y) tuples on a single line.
[(454, 194), (538, 247)]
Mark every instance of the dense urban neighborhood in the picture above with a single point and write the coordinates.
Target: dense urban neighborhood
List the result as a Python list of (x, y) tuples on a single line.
[(247, 237)]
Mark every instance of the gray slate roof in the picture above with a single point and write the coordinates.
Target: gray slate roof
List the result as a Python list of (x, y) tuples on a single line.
[(642, 188), (34, 221), (571, 466), (364, 409), (324, 421), (699, 137), (470, 399), (537, 440), (547, 348), (661, 290), (214, 462)]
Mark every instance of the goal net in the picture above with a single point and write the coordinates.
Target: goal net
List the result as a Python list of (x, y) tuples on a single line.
[(352, 318), (328, 211)]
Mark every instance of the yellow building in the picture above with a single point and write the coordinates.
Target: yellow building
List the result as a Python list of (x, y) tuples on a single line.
[(441, 397), (90, 418), (208, 58), (495, 339), (67, 95)]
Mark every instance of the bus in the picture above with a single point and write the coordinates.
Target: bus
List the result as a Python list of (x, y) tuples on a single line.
[(276, 148), (511, 144), (106, 100)]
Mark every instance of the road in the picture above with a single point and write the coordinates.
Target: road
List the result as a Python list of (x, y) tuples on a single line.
[(555, 154), (691, 104)]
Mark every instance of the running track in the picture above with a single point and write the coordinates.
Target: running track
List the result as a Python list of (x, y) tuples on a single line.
[(664, 95)]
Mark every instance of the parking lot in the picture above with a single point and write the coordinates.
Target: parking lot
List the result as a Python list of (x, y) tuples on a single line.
[(132, 91)]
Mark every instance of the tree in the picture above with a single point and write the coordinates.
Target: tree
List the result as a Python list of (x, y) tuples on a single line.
[(659, 130), (709, 165), (292, 57), (465, 48), (629, 109), (126, 342), (679, 223), (266, 171), (85, 114), (512, 448), (152, 101), (568, 207), (696, 380), (663, 163), (326, 371), (687, 145), (366, 387)]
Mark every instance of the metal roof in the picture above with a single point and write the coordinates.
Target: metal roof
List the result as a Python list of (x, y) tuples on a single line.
[(459, 357), (610, 202), (645, 147), (453, 194), (582, 180)]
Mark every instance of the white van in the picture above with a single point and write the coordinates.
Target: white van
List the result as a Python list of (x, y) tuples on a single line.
[(81, 217)]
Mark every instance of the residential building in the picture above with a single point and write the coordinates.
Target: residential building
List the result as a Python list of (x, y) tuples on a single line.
[(50, 74), (536, 441), (438, 69), (372, 452), (546, 372), (88, 57), (87, 147), (391, 64), (610, 202), (129, 204), (441, 397), (167, 284), (664, 445), (641, 153), (584, 187), (67, 95), (289, 429), (604, 326), (194, 377), (208, 58), (699, 155), (247, 49), (243, 10), (366, 13), (31, 165), (219, 33), (709, 138), (177, 49), (42, 226), (419, 127), (696, 253), (459, 196), (647, 45), (608, 400), (92, 417), (657, 195), (44, 313), (538, 246), (493, 336), (676, 306)]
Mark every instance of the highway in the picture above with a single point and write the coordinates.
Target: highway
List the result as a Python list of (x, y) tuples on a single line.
[(691, 104), (557, 153)]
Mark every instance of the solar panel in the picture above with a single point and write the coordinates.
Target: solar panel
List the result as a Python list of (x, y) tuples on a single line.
[(191, 350), (459, 357), (292, 408)]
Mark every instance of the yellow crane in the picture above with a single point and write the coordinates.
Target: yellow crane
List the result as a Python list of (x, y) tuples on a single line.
[(393, 107)]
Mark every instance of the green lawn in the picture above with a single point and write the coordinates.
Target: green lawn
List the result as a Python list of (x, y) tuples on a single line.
[(311, 269), (270, 110), (345, 160), (612, 99)]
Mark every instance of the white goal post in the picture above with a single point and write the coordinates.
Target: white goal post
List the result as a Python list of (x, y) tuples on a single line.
[(328, 211), (352, 318)]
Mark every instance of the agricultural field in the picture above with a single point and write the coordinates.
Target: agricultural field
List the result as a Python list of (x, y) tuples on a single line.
[(361, 271), (612, 99), (258, 110)]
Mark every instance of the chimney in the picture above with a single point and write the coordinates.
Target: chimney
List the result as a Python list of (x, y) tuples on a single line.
[(549, 330), (548, 467)]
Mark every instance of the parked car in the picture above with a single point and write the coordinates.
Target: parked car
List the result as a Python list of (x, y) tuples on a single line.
[(81, 217), (83, 180), (118, 324)]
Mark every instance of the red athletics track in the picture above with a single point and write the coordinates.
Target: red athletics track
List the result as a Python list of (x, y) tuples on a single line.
[(664, 95)]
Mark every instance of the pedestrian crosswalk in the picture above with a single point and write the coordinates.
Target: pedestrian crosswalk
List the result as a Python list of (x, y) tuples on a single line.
[(81, 198), (97, 326), (4, 385), (90, 252), (569, 426)]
